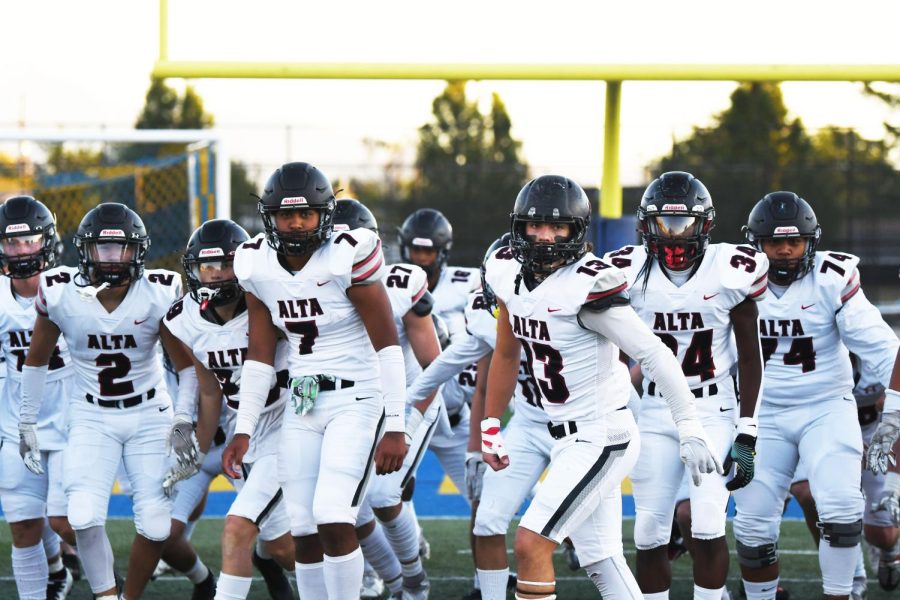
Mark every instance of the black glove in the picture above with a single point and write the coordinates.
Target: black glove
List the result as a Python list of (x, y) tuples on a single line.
[(742, 455)]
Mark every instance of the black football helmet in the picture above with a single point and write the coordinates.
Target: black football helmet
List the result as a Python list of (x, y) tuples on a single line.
[(112, 245), (29, 242), (353, 214), (490, 299), (426, 228), (550, 199), (293, 186), (675, 218), (784, 215), (212, 246)]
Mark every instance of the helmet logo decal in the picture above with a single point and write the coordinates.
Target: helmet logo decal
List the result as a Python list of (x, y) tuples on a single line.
[(211, 252), (531, 211), (422, 242), (651, 207), (674, 207), (18, 227), (343, 227), (294, 201), (784, 230), (555, 213), (112, 233)]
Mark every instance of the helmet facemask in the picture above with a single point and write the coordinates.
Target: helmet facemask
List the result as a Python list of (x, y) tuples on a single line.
[(541, 258), (297, 243), (114, 262), (26, 255), (211, 281), (786, 271), (678, 241)]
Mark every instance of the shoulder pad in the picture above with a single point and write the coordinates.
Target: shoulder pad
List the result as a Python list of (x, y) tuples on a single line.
[(423, 305), (247, 253), (739, 267), (837, 267), (630, 259), (357, 253)]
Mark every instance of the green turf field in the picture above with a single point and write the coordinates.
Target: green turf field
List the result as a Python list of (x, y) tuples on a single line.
[(450, 565)]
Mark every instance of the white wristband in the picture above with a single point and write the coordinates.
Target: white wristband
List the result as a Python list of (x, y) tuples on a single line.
[(892, 482), (33, 381), (256, 381), (891, 400), (393, 387), (748, 425), (186, 399)]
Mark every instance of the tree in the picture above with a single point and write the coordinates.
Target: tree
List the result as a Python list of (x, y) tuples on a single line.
[(470, 168)]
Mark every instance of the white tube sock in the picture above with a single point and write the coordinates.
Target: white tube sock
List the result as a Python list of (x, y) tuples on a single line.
[(30, 571), (343, 575)]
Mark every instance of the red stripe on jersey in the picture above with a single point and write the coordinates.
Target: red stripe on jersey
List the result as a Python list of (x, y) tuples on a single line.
[(598, 295), (849, 294), (368, 273), (764, 275), (40, 303), (420, 293), (758, 292), (361, 263)]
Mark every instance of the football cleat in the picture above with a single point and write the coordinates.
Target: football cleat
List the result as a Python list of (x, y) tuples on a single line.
[(416, 588), (276, 581), (571, 556), (162, 568), (206, 589), (71, 562), (372, 585), (889, 572), (424, 546), (58, 589)]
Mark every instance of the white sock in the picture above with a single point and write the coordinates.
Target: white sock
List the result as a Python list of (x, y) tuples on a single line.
[(311, 580), (30, 570), (261, 550), (343, 575), (476, 585), (701, 593), (493, 584), (404, 539), (613, 579), (55, 565), (189, 529), (198, 573), (96, 557), (378, 552), (838, 566), (657, 596), (50, 541), (764, 590), (232, 587)]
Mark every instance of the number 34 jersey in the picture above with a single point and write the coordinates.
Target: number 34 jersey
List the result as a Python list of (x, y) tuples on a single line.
[(806, 333), (113, 353), (694, 320), (325, 333)]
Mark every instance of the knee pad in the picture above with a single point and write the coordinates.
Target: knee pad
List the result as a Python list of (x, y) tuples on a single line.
[(153, 522), (488, 522), (707, 521), (757, 557), (841, 535), (651, 530), (85, 511)]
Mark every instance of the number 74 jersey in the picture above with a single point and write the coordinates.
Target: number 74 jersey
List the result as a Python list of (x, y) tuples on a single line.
[(694, 320)]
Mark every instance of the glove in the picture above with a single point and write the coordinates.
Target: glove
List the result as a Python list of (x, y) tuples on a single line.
[(180, 473), (890, 497), (491, 439), (881, 452), (743, 453), (183, 442), (413, 420), (474, 475), (29, 449), (694, 450)]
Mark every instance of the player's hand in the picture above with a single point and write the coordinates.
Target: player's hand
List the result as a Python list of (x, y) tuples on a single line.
[(889, 499), (390, 452), (696, 455), (492, 448), (183, 441), (180, 473), (474, 475), (881, 449), (233, 456), (742, 456), (29, 449)]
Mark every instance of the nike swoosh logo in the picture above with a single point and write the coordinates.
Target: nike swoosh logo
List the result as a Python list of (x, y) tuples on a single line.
[(705, 297), (554, 309), (163, 408), (136, 322), (585, 441), (725, 409), (364, 398), (802, 307), (323, 283), (766, 589)]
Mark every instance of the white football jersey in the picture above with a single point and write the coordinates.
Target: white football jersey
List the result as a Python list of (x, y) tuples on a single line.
[(694, 319), (222, 348), (325, 333), (451, 295), (113, 353), (577, 371), (806, 334), (17, 317), (483, 325), (405, 284)]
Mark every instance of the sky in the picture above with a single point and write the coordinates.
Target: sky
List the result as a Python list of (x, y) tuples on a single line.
[(87, 64)]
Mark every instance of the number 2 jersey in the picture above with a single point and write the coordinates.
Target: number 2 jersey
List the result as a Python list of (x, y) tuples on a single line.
[(577, 372), (325, 333), (406, 284), (694, 319), (113, 353), (806, 334), (17, 315)]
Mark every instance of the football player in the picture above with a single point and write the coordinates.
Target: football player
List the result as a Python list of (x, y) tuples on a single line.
[(29, 246), (569, 312), (814, 313), (108, 310), (411, 304), (212, 322), (323, 291), (700, 299)]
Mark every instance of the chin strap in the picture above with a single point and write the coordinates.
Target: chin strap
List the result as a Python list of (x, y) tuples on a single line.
[(206, 295), (90, 292)]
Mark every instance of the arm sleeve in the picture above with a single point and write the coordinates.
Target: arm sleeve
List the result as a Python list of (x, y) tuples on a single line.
[(448, 364), (867, 336), (256, 381), (622, 326)]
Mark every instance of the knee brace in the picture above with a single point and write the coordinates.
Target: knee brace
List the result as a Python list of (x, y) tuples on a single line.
[(651, 530), (757, 557), (841, 535), (153, 522), (85, 511)]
